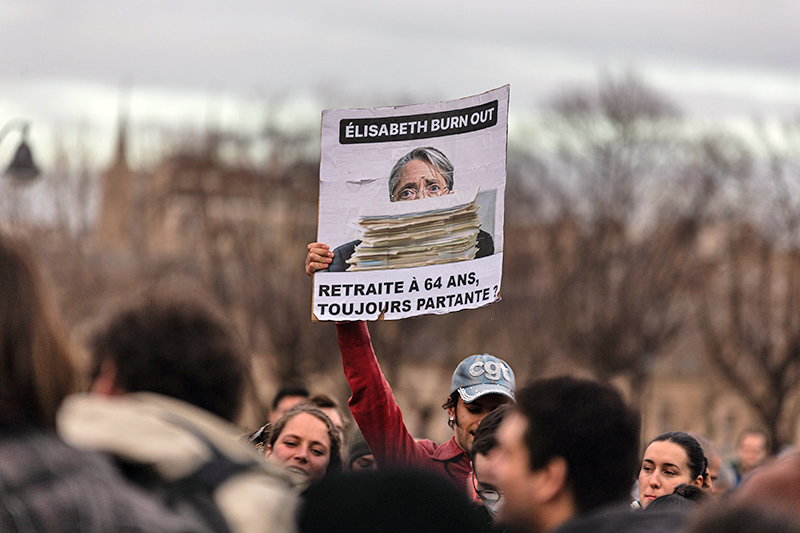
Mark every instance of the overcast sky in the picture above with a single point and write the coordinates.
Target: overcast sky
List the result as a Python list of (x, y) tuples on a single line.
[(64, 61)]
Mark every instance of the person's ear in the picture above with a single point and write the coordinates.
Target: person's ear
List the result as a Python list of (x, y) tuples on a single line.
[(451, 413), (106, 381), (552, 479), (698, 482), (268, 451)]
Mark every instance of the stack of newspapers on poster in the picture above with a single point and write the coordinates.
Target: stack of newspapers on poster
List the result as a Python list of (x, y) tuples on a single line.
[(443, 235)]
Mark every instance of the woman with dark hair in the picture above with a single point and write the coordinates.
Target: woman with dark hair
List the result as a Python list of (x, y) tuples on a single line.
[(305, 442), (669, 460), (47, 485)]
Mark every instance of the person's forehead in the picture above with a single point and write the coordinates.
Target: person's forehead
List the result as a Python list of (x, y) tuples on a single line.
[(417, 167), (512, 429), (666, 452), (306, 426), (753, 439)]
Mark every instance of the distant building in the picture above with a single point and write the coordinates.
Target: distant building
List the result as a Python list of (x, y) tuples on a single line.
[(116, 223)]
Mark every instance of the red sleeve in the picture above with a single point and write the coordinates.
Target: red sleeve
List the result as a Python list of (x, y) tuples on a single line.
[(373, 405)]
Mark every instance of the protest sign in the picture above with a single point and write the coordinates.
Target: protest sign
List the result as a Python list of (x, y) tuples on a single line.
[(411, 202)]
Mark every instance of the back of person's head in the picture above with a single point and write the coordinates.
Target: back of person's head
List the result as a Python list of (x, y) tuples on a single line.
[(672, 501), (178, 346), (36, 369), (713, 461), (589, 425), (486, 434), (684, 497), (709, 448), (389, 501), (743, 519), (323, 401), (692, 493)]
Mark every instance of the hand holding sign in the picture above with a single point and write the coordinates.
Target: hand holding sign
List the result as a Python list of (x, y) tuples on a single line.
[(318, 258)]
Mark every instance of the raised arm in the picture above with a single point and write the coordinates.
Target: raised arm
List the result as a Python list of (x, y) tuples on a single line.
[(373, 404)]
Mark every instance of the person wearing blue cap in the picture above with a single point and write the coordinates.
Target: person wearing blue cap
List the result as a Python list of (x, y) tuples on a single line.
[(480, 384)]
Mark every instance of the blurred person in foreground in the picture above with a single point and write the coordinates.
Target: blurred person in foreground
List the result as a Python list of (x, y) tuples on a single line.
[(168, 383), (569, 452), (743, 519), (388, 501), (47, 485), (485, 456), (775, 486)]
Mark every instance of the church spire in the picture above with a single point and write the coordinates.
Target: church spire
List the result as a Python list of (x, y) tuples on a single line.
[(121, 152)]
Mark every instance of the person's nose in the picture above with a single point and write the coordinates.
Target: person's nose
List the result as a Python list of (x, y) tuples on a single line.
[(655, 481), (301, 454)]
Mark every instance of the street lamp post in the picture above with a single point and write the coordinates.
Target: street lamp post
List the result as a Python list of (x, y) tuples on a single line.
[(22, 167)]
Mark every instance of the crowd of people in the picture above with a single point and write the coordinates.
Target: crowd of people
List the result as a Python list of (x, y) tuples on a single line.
[(149, 442)]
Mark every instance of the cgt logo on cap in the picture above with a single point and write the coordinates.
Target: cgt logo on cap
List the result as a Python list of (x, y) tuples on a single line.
[(492, 369), (478, 375)]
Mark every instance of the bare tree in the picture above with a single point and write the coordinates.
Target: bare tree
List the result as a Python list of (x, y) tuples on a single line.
[(614, 262), (749, 309)]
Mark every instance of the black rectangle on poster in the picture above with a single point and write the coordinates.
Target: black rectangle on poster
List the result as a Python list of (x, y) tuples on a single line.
[(422, 126)]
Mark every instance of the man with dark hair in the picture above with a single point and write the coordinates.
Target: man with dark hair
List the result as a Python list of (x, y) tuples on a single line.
[(285, 399), (177, 348), (168, 381), (570, 452)]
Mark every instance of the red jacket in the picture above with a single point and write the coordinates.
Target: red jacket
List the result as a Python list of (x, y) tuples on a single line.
[(379, 418)]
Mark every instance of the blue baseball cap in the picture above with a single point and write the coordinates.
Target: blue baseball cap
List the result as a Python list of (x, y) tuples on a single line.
[(478, 375)]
